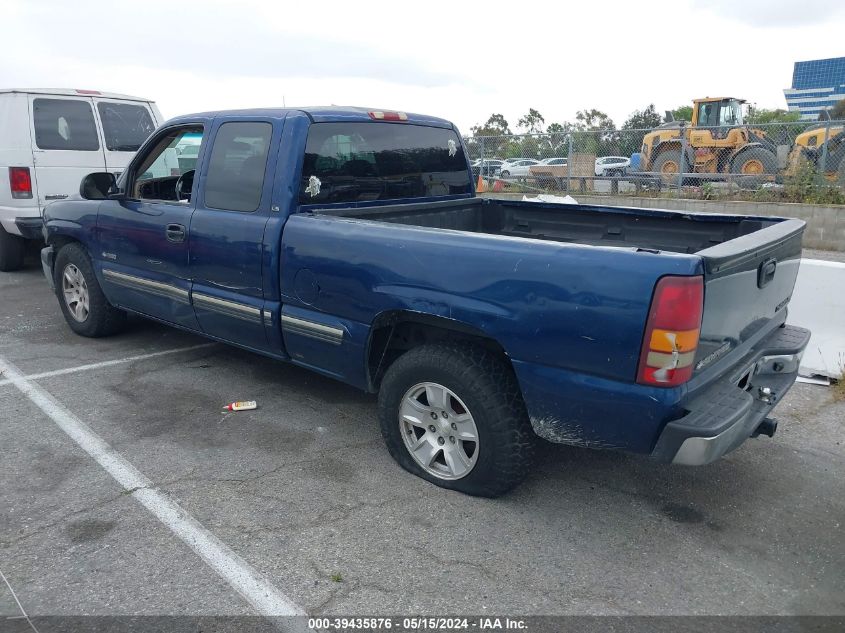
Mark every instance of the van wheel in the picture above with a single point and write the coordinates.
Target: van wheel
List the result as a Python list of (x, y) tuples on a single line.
[(86, 309), (453, 414), (12, 248)]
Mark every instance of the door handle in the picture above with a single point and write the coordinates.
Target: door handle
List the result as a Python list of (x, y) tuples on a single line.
[(175, 233)]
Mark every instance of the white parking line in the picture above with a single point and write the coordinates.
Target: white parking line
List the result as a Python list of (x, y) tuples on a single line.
[(257, 590), (108, 363)]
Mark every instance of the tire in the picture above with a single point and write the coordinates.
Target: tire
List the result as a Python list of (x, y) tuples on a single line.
[(505, 174), (667, 164), (477, 385), (754, 166), (74, 278), (12, 249)]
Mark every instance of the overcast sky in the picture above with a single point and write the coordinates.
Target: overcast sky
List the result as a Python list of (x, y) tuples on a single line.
[(459, 60)]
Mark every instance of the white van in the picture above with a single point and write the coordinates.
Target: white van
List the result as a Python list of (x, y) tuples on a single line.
[(50, 140)]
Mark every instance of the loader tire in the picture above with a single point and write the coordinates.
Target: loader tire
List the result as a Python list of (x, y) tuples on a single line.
[(754, 166)]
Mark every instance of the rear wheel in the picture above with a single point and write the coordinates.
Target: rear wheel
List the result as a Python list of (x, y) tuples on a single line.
[(85, 307), (753, 167), (453, 414), (12, 249)]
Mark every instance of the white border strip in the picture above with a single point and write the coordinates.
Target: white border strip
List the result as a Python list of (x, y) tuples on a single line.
[(109, 363), (257, 590)]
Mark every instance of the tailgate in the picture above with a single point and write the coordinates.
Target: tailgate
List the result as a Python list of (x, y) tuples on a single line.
[(748, 282)]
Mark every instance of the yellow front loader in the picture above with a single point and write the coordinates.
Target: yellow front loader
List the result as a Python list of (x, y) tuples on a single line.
[(718, 146)]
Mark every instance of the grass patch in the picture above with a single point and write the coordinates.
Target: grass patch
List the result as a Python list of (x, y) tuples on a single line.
[(336, 577)]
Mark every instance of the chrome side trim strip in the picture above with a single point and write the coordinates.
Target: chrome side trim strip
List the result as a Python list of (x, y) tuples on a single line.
[(318, 331), (228, 308), (146, 285)]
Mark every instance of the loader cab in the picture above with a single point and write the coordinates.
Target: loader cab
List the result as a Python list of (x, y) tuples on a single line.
[(718, 112)]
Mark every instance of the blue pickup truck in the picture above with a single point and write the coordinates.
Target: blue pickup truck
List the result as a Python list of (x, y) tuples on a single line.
[(351, 242)]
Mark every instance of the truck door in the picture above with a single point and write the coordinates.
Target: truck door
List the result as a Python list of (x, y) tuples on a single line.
[(227, 230), (66, 145), (125, 125), (143, 237)]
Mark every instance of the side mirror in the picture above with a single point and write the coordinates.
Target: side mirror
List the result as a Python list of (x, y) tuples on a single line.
[(98, 186)]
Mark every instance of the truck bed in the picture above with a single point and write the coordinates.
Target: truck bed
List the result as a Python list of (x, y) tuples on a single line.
[(579, 224)]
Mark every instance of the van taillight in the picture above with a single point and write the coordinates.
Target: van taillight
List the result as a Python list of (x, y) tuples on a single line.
[(20, 182), (671, 333)]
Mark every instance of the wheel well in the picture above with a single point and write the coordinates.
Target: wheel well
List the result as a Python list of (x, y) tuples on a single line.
[(58, 242), (395, 333)]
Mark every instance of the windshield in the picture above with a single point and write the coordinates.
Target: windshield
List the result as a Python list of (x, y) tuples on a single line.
[(354, 162)]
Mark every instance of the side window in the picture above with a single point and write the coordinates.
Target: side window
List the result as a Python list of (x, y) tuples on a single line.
[(156, 175), (64, 124), (237, 165), (125, 125)]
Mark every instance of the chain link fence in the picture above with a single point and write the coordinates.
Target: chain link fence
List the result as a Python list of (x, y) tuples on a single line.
[(800, 161)]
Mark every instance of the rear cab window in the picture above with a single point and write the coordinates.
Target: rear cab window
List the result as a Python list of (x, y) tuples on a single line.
[(359, 162), (64, 124), (125, 125)]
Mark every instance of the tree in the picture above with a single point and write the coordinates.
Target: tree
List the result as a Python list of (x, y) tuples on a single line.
[(596, 136), (837, 112), (559, 128), (762, 116), (635, 127), (496, 125), (593, 119), (645, 119), (681, 113), (532, 122)]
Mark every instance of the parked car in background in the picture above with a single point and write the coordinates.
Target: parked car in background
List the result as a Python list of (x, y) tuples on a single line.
[(517, 167), (49, 140), (553, 161), (612, 165), (492, 167)]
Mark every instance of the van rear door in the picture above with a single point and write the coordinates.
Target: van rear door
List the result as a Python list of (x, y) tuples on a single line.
[(125, 125), (66, 144)]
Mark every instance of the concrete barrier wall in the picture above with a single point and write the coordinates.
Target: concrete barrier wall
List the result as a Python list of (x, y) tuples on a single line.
[(818, 303), (825, 225)]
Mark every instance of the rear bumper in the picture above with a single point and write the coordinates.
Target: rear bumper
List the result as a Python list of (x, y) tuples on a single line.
[(732, 409), (30, 228)]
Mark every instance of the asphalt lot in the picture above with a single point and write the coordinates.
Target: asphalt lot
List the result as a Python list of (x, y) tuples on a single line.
[(303, 490)]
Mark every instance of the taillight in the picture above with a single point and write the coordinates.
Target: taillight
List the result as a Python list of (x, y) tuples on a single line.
[(379, 115), (671, 333), (20, 182)]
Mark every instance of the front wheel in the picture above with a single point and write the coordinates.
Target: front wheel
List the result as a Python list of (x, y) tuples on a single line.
[(453, 414), (85, 307), (505, 174)]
